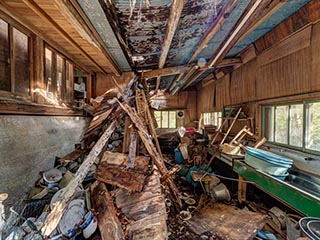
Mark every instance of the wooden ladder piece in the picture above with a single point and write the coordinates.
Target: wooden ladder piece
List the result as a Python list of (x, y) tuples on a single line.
[(226, 119)]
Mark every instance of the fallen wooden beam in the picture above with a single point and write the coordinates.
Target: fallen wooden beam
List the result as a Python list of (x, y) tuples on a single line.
[(113, 170), (55, 215), (147, 140), (108, 222), (145, 210)]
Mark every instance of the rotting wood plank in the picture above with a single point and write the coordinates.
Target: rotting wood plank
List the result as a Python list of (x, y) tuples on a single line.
[(113, 170), (73, 156), (145, 137), (227, 222), (55, 215), (145, 210), (108, 222)]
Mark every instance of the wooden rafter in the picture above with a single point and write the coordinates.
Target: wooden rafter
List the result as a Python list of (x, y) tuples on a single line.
[(45, 17), (267, 12), (176, 10), (213, 29), (231, 40), (164, 72)]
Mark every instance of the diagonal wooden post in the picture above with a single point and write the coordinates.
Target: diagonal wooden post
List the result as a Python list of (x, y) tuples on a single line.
[(147, 140), (56, 213)]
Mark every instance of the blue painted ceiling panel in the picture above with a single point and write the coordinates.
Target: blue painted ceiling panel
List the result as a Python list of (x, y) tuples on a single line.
[(283, 13), (224, 30)]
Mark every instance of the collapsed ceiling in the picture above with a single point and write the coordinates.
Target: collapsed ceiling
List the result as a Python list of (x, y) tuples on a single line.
[(204, 36)]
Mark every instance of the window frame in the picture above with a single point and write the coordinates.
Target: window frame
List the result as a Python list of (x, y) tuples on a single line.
[(168, 112), (54, 70), (217, 116), (30, 39), (304, 125)]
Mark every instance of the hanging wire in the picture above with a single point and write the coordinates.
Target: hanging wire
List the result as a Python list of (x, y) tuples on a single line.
[(143, 3)]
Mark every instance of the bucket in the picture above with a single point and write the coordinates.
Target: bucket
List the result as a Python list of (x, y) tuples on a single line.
[(178, 156), (220, 193)]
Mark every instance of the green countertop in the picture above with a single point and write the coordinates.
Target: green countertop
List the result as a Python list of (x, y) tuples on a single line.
[(290, 195)]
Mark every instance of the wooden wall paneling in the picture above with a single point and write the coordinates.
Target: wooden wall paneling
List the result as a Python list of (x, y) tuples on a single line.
[(296, 42), (223, 92), (206, 99), (31, 68), (191, 110), (71, 82), (248, 81), (315, 58), (236, 86), (286, 76), (89, 87), (104, 82), (310, 13)]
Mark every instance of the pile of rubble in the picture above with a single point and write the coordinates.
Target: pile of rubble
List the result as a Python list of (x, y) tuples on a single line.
[(117, 184)]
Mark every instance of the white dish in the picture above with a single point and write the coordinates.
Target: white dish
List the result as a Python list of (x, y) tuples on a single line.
[(72, 217)]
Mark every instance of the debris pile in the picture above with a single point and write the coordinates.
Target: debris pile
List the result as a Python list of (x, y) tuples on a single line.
[(117, 184)]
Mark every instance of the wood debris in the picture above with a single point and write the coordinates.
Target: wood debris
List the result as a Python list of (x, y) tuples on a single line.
[(113, 170)]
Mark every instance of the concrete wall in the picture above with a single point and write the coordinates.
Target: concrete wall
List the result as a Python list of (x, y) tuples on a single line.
[(29, 144)]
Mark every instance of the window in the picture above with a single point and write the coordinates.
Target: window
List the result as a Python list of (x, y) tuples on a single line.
[(58, 76), (296, 125), (14, 67), (212, 119), (166, 119)]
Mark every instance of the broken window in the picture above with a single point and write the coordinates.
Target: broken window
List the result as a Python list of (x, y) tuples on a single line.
[(166, 119)]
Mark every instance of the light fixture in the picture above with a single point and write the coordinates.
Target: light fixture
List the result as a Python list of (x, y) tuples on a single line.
[(202, 62)]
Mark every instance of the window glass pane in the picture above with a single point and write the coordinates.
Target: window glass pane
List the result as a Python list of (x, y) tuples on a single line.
[(48, 72), (172, 119), (4, 57), (281, 124), (165, 119), (313, 126), (68, 90), (296, 125), (59, 77), (157, 115), (269, 123), (21, 62)]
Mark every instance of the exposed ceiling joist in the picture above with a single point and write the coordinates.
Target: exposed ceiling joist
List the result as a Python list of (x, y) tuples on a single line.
[(176, 10), (213, 29), (267, 12), (164, 72), (193, 78), (45, 17), (230, 41), (75, 8)]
